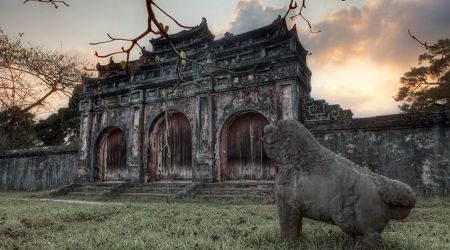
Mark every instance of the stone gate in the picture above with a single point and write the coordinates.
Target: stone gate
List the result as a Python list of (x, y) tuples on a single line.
[(215, 118)]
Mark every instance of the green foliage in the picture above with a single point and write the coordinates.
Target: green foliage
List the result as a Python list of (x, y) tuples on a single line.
[(62, 127), (123, 65), (16, 129), (427, 87), (31, 224)]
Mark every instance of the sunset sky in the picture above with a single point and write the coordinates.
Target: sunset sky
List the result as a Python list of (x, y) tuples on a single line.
[(356, 60)]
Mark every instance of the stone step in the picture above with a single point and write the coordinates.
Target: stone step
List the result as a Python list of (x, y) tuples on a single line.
[(146, 195), (182, 184), (266, 185), (96, 189), (228, 189), (251, 182), (85, 193), (235, 191), (154, 190), (200, 196), (105, 183), (159, 185), (230, 196)]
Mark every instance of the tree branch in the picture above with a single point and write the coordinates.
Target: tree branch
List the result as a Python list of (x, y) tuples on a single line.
[(417, 40), (39, 101), (53, 2)]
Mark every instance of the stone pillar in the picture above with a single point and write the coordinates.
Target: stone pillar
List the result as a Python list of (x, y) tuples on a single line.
[(85, 141), (289, 107), (134, 165), (203, 169)]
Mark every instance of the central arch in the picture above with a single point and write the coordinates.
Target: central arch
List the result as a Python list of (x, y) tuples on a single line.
[(111, 155), (174, 159), (242, 152)]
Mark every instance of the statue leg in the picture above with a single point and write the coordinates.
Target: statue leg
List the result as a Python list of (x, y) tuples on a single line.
[(290, 221), (370, 240)]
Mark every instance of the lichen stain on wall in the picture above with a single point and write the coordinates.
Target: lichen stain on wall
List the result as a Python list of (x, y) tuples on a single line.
[(38, 169), (409, 155)]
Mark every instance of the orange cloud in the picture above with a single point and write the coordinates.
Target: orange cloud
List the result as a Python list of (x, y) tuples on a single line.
[(361, 53), (359, 84), (378, 30)]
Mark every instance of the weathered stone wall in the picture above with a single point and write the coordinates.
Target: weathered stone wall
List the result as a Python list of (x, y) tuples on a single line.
[(413, 149), (38, 168)]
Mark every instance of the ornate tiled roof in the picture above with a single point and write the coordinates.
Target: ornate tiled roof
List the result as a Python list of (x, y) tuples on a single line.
[(272, 51)]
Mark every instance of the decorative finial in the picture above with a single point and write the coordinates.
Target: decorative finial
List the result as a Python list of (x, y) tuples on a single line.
[(228, 34)]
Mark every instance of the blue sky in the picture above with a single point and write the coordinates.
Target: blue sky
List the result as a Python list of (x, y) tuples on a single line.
[(356, 60)]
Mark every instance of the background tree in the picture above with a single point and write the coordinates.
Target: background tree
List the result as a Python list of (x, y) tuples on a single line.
[(16, 129), (62, 127), (30, 75), (427, 87)]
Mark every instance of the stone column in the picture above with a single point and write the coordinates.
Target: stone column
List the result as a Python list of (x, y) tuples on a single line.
[(85, 141), (134, 165), (289, 104), (202, 171)]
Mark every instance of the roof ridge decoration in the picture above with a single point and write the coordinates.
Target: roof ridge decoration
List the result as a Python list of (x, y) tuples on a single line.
[(203, 26), (202, 34), (201, 29)]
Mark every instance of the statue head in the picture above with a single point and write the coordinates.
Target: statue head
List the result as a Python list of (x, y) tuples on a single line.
[(289, 142)]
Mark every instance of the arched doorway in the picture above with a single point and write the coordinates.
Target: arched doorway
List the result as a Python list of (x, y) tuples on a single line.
[(111, 160), (171, 160), (242, 153)]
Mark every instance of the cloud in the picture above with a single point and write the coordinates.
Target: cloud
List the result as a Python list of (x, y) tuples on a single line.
[(358, 84), (85, 55), (249, 15), (378, 30), (363, 50)]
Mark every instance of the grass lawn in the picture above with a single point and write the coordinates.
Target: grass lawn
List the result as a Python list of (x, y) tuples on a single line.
[(121, 224)]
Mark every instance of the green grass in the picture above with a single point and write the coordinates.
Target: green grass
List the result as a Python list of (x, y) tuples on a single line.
[(30, 224)]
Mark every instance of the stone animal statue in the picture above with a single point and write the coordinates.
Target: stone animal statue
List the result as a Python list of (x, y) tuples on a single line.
[(315, 183)]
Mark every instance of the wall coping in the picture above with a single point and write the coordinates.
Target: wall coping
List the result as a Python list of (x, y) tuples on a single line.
[(29, 152), (384, 122)]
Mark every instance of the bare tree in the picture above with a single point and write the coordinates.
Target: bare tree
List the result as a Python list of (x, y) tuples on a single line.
[(30, 75)]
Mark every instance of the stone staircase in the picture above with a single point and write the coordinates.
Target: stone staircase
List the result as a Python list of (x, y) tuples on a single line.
[(95, 188), (172, 189)]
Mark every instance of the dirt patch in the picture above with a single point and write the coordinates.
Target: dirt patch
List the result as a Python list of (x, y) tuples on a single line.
[(2, 218), (12, 233), (35, 223), (98, 216), (437, 215)]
